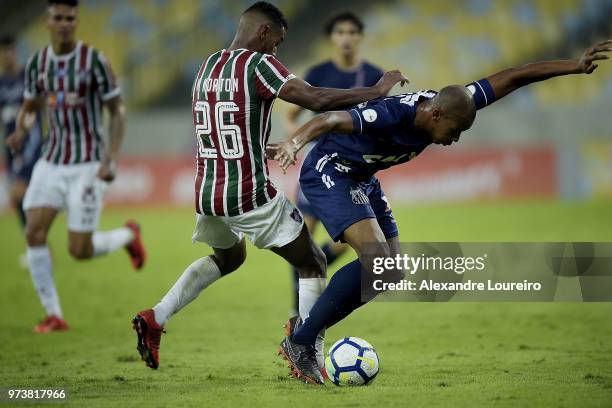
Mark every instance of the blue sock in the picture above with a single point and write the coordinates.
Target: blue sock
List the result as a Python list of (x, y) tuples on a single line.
[(329, 254), (352, 303), (341, 289)]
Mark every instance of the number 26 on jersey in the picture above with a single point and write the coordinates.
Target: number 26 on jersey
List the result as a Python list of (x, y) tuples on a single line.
[(225, 139)]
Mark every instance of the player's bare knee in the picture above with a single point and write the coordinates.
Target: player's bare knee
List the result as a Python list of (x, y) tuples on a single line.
[(229, 260), (394, 275), (236, 261), (228, 264), (35, 236), (371, 258), (80, 250)]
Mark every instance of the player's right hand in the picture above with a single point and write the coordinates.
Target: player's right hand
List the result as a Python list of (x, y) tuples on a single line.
[(389, 79), (586, 63), (15, 140)]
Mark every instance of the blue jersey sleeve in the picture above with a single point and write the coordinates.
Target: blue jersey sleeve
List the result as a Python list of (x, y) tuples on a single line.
[(309, 77), (377, 116), (482, 93)]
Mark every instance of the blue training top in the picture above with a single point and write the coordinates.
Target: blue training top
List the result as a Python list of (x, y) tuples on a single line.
[(328, 75)]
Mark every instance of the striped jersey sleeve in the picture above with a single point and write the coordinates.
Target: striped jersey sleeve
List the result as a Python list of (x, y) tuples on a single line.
[(32, 88), (270, 76), (104, 77)]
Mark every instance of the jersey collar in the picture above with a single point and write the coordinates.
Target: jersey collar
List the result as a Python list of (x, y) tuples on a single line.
[(63, 57)]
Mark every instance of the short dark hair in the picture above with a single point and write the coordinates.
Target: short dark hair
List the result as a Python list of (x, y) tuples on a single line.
[(7, 41), (342, 17), (71, 3), (270, 11)]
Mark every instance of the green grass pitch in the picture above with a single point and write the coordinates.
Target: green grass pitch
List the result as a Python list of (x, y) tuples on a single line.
[(220, 350)]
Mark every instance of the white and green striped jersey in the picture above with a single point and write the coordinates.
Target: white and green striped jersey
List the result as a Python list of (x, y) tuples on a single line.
[(74, 86), (232, 99)]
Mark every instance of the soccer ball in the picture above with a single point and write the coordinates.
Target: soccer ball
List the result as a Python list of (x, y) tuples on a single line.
[(351, 361)]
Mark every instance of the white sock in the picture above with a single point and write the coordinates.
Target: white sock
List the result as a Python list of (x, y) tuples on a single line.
[(309, 291), (41, 270), (195, 279), (109, 241)]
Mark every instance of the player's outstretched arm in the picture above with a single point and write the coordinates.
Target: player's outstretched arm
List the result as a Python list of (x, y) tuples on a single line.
[(286, 152), (26, 118), (509, 80), (116, 108), (301, 93)]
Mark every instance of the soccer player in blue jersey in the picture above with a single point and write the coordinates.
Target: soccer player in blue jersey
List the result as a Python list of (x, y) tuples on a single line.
[(20, 163), (345, 70), (338, 176)]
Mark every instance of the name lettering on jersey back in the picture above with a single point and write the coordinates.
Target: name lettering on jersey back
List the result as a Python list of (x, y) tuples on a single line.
[(411, 99), (221, 85)]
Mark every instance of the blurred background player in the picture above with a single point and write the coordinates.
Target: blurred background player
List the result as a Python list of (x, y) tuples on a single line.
[(20, 163), (73, 81), (344, 70)]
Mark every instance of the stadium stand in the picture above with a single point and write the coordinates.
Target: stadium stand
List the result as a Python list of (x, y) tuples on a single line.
[(156, 46)]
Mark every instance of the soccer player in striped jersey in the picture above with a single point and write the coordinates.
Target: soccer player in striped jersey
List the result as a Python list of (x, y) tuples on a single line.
[(338, 176), (74, 82), (344, 70), (232, 98)]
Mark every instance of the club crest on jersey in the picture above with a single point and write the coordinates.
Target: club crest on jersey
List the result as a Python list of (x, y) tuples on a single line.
[(55, 99), (82, 74), (296, 215), (61, 72), (61, 99), (369, 115), (358, 196)]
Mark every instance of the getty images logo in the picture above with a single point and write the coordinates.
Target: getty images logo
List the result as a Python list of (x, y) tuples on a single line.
[(412, 264)]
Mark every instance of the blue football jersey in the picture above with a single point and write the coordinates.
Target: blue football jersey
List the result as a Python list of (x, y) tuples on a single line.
[(11, 96), (328, 75), (384, 133)]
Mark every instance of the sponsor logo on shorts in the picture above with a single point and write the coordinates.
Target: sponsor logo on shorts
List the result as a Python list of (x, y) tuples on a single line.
[(329, 183), (358, 196), (296, 215), (342, 168)]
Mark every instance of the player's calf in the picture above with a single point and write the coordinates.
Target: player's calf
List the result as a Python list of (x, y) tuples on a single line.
[(80, 245)]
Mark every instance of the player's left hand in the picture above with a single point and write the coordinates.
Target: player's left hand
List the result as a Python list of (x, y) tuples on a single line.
[(106, 172), (586, 62)]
